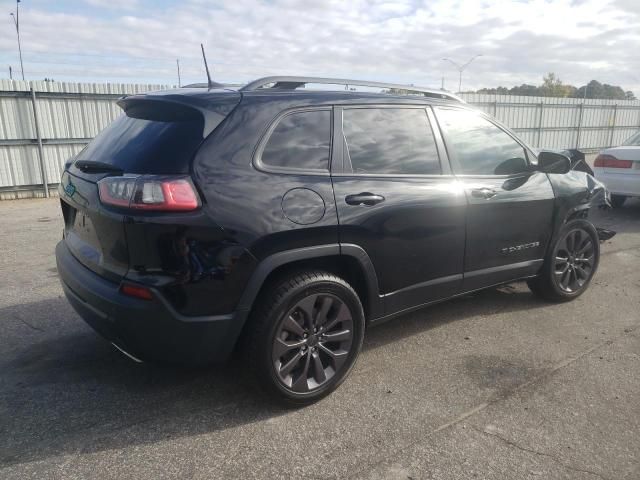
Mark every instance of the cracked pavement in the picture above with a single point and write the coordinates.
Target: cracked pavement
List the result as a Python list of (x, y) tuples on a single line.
[(494, 385)]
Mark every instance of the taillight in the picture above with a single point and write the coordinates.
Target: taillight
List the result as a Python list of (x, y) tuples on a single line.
[(149, 192), (609, 161)]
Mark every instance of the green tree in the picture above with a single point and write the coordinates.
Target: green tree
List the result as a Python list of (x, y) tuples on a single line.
[(613, 92), (593, 89), (526, 89), (552, 86)]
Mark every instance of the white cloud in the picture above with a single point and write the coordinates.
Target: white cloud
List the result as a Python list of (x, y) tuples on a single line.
[(115, 4), (382, 40)]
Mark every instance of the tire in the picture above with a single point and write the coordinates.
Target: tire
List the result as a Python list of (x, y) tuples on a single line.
[(618, 200), (570, 264), (292, 362)]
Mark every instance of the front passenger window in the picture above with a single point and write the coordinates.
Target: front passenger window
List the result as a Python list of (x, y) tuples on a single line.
[(479, 146)]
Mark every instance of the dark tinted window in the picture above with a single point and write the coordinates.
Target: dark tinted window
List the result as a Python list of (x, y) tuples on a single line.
[(480, 147), (300, 140), (390, 141), (147, 146)]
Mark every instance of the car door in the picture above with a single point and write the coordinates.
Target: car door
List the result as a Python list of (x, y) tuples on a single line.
[(510, 204), (396, 199)]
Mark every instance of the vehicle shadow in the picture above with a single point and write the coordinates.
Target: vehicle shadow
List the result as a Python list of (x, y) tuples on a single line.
[(625, 219), (504, 299), (65, 390)]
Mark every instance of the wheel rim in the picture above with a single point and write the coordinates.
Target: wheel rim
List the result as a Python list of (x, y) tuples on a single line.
[(574, 260), (312, 342)]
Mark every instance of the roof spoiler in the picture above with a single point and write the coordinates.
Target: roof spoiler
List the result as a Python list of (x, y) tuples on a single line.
[(161, 106)]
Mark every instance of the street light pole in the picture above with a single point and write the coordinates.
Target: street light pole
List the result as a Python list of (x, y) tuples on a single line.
[(16, 21), (461, 68)]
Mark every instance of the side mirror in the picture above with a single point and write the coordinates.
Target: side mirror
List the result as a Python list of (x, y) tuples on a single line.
[(552, 162)]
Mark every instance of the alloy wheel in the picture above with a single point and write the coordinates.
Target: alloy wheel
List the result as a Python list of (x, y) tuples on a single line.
[(312, 342), (574, 260)]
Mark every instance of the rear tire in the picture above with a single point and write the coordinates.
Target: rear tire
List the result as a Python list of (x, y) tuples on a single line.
[(570, 265), (304, 336), (618, 200)]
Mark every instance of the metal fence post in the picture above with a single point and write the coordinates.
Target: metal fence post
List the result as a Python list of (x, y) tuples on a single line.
[(579, 126), (40, 151), (613, 124), (540, 124)]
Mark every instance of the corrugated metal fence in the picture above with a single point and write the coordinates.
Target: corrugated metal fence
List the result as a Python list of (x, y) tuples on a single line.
[(548, 122), (70, 114)]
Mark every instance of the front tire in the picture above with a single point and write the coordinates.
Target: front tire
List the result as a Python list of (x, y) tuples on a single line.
[(305, 335), (570, 265)]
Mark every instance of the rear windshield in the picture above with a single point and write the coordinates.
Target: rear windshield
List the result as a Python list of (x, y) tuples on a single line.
[(139, 145)]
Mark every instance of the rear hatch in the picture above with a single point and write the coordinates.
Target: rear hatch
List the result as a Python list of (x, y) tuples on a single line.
[(157, 135)]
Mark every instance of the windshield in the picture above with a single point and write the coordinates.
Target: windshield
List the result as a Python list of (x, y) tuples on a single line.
[(633, 140)]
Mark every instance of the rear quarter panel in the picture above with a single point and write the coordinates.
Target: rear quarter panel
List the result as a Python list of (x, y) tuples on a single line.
[(247, 202), (198, 268)]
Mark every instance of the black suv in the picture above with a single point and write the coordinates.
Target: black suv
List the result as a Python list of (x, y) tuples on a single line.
[(285, 221)]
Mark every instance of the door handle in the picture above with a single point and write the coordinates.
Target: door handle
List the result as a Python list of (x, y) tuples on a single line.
[(364, 198), (485, 193)]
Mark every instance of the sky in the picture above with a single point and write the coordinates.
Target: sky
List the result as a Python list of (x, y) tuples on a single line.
[(404, 41)]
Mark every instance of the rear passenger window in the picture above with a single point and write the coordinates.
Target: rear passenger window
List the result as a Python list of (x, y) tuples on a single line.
[(390, 141), (301, 140)]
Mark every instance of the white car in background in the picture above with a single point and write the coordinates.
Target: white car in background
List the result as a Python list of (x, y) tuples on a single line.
[(619, 169)]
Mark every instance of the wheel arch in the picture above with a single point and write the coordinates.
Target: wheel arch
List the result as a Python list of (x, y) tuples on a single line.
[(580, 211), (350, 262)]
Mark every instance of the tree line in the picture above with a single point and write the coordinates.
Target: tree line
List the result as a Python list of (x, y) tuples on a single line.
[(552, 86)]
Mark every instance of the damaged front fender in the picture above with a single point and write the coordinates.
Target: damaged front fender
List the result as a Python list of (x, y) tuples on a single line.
[(599, 195), (576, 193)]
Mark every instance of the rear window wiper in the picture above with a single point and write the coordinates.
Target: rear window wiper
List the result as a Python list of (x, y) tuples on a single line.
[(92, 166)]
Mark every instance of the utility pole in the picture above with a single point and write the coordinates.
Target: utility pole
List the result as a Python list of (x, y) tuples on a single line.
[(16, 21), (10, 73), (178, 64), (461, 68)]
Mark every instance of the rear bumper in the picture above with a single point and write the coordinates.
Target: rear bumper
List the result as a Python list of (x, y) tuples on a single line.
[(620, 183), (145, 329)]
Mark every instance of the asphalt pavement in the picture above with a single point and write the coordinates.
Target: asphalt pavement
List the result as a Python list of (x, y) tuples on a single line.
[(494, 385)]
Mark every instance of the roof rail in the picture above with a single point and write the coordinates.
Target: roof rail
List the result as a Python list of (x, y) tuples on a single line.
[(206, 85), (291, 83)]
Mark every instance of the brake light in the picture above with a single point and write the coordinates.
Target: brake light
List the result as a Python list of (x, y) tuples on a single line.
[(609, 161), (136, 291), (149, 192)]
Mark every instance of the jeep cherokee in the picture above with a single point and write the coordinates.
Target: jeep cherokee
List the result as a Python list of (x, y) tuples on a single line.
[(287, 220)]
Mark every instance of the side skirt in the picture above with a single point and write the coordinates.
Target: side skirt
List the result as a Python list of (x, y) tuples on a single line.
[(391, 316)]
